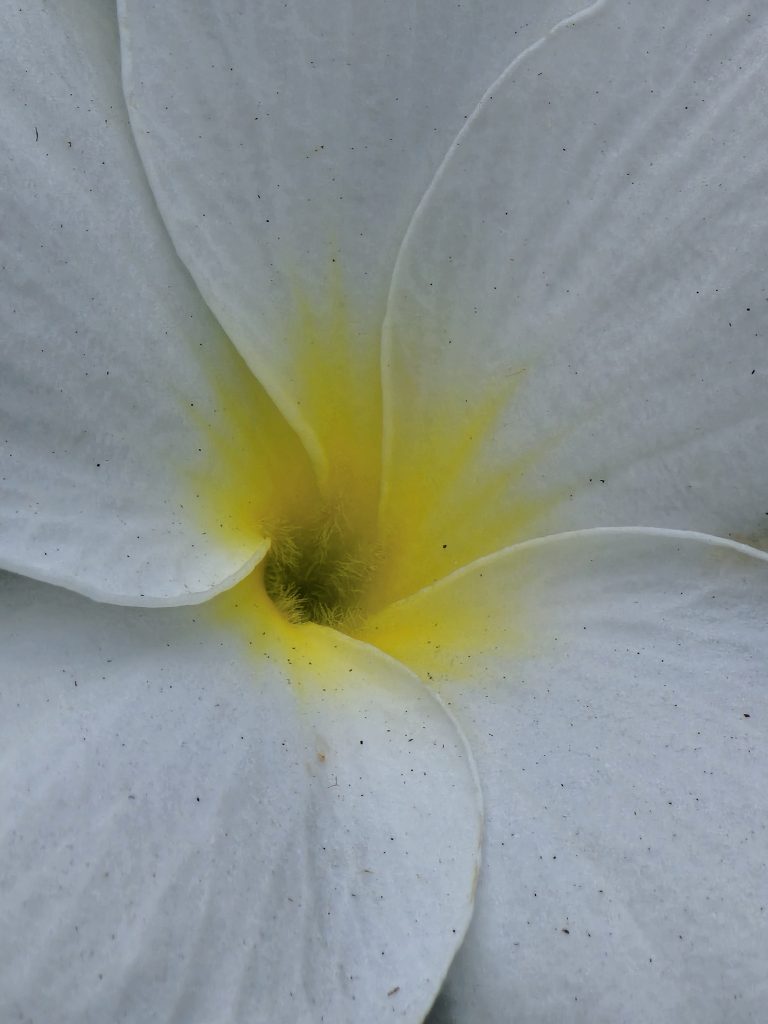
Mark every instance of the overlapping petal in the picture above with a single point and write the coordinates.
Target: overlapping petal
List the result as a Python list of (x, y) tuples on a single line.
[(186, 836), (115, 380), (288, 146), (580, 304), (617, 707), (574, 335)]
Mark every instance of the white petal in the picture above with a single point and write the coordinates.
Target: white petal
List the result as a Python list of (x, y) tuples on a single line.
[(288, 146), (620, 726), (186, 837), (107, 353), (585, 282)]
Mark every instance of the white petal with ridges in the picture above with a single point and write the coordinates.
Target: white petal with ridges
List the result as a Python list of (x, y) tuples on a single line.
[(186, 837), (591, 257), (617, 710), (288, 146), (110, 363)]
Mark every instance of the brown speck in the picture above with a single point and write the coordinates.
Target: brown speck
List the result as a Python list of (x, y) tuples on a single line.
[(394, 990)]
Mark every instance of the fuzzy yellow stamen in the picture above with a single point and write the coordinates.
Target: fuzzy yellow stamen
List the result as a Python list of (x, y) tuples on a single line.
[(317, 573)]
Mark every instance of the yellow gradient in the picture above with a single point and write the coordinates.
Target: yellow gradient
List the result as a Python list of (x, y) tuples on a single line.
[(445, 505), (252, 469), (444, 631), (315, 659), (337, 389), (447, 500)]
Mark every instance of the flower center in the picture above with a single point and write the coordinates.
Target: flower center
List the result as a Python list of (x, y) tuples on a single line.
[(317, 572)]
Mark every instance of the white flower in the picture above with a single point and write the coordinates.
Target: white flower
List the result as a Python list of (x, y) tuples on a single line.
[(366, 299)]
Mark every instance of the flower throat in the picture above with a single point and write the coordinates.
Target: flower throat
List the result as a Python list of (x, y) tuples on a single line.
[(317, 572)]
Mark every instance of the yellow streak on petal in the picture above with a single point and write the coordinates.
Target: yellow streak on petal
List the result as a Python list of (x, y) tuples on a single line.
[(444, 632), (449, 499), (336, 385), (257, 475), (251, 467)]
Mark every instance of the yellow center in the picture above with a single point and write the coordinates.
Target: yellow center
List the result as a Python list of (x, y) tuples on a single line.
[(348, 537)]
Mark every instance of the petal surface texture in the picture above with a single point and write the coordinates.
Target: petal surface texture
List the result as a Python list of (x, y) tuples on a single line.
[(585, 280), (185, 838), (111, 367), (622, 751), (288, 146)]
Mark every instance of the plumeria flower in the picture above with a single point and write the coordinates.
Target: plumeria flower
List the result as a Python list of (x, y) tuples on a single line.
[(383, 491)]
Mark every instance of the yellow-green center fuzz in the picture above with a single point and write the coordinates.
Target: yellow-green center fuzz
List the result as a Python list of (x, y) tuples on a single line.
[(317, 572)]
